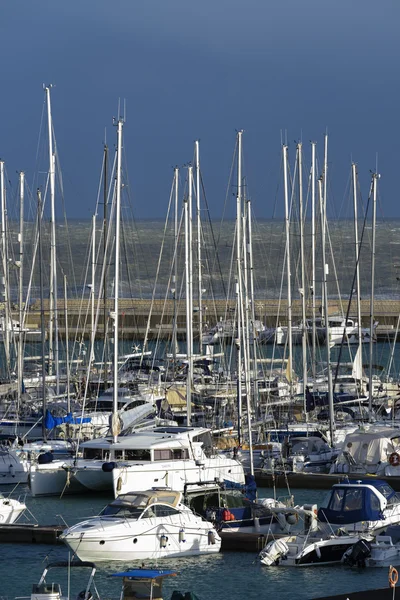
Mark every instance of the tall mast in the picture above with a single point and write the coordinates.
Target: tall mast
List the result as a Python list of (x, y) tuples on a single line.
[(42, 327), (116, 282), (53, 325), (288, 266), (92, 287), (253, 331), (313, 264), (7, 321), (324, 196), (105, 217), (357, 255), (175, 271), (322, 205), (303, 280), (21, 285), (375, 178), (239, 281), (189, 295), (199, 266)]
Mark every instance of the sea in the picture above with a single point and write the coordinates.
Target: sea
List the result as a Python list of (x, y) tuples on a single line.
[(226, 576)]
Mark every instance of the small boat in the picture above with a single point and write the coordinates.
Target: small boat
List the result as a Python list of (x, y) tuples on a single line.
[(146, 584), (45, 590), (10, 510), (146, 525), (351, 512)]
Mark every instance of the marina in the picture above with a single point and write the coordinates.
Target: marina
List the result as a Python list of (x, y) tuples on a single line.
[(199, 363)]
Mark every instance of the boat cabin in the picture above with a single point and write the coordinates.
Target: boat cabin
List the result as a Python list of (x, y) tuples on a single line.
[(143, 584), (160, 444), (355, 502), (152, 503)]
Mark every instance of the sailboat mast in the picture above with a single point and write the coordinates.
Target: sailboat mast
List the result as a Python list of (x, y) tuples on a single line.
[(116, 275), (303, 280), (53, 325), (105, 217), (239, 282), (189, 291), (322, 205), (288, 265), (175, 271), (6, 321), (199, 265), (375, 178), (313, 264), (92, 288), (42, 328), (20, 364), (357, 255)]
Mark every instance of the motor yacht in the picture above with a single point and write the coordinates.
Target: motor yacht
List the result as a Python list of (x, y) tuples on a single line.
[(147, 525), (163, 456), (351, 511)]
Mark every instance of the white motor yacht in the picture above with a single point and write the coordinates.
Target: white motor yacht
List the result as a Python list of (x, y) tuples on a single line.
[(161, 457), (147, 525)]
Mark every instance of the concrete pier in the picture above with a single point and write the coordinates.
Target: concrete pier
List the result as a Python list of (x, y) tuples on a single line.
[(135, 315)]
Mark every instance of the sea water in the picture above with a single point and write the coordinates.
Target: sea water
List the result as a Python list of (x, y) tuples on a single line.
[(228, 575)]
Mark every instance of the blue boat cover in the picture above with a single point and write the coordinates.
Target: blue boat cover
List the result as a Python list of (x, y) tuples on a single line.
[(144, 573), (351, 503), (50, 421)]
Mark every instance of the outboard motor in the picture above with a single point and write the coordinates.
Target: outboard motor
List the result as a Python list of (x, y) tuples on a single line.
[(357, 554), (274, 552)]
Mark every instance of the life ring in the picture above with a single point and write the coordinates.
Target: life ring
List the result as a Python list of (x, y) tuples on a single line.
[(394, 459), (393, 577)]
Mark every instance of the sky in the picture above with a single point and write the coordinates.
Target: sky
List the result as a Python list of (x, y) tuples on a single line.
[(278, 69)]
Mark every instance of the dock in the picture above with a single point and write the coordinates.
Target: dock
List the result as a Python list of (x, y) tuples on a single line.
[(135, 318)]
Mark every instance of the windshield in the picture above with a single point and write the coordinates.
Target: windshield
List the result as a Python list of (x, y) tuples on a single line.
[(126, 506)]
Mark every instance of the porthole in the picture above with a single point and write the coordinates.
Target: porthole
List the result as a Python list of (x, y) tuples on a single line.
[(134, 540), (102, 542)]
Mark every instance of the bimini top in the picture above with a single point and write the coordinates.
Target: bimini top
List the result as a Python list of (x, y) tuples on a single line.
[(353, 502), (144, 574)]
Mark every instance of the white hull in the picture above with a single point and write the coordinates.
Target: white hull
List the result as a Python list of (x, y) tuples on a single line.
[(144, 539), (93, 478), (53, 480), (174, 474), (10, 510)]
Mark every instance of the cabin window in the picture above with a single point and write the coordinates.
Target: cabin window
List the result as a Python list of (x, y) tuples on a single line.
[(206, 439), (92, 453), (162, 454), (118, 454), (353, 500), (374, 501), (337, 500), (179, 454), (137, 455), (164, 511)]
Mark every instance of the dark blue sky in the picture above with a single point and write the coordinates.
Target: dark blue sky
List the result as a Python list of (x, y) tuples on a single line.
[(202, 70)]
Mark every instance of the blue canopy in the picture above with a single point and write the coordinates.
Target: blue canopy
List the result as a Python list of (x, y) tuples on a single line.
[(350, 503), (51, 421), (144, 573)]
